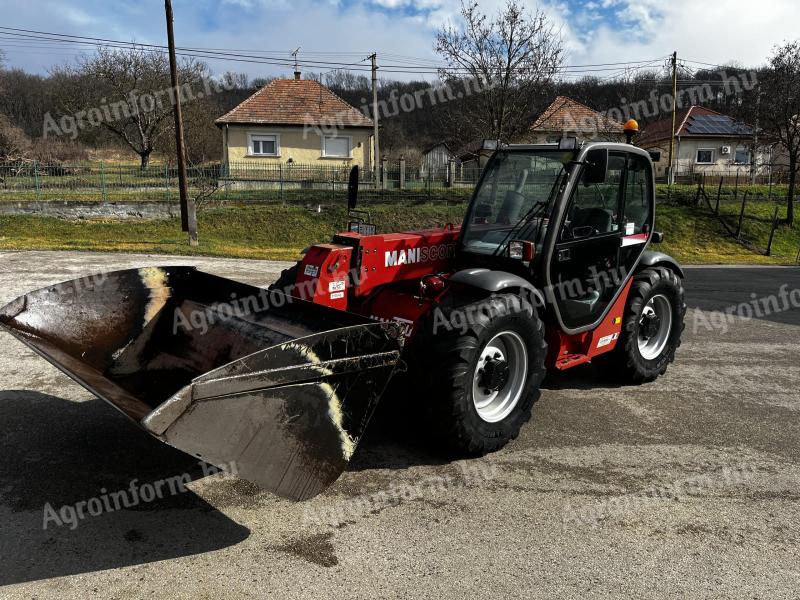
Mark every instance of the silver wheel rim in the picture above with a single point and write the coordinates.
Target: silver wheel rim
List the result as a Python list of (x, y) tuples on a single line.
[(652, 344), (505, 352)]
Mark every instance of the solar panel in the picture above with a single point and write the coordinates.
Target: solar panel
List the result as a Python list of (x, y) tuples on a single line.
[(717, 125)]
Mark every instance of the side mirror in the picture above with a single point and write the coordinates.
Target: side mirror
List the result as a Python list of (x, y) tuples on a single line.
[(352, 188), (596, 166)]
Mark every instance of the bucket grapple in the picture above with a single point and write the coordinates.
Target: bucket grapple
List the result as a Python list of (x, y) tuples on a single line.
[(274, 387)]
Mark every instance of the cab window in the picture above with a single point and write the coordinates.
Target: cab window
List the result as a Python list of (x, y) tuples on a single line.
[(638, 214), (594, 209)]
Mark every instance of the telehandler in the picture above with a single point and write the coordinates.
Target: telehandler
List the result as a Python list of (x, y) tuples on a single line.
[(549, 270)]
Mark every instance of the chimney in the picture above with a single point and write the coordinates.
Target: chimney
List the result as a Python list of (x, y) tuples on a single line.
[(297, 75)]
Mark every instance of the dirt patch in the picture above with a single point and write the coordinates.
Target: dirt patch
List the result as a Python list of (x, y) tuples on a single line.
[(316, 549)]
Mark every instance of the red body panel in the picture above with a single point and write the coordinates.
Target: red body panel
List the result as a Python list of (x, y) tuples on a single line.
[(324, 276), (566, 351), (394, 257), (354, 275)]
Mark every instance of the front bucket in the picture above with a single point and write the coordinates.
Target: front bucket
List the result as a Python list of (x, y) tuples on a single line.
[(276, 388)]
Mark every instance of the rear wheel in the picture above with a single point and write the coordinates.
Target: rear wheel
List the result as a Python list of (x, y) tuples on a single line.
[(651, 328), (484, 377)]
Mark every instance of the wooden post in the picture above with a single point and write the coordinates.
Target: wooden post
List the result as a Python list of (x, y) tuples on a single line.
[(772, 233), (376, 144), (741, 216), (674, 63), (188, 209), (719, 193)]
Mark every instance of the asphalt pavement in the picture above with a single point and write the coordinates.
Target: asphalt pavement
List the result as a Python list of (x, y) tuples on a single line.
[(685, 487)]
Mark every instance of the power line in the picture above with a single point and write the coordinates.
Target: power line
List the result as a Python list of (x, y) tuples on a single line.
[(422, 66)]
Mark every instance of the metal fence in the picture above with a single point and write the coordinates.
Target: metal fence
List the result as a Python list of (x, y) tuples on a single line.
[(235, 182)]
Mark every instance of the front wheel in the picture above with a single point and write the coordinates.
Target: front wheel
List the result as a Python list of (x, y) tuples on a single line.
[(651, 328), (484, 377)]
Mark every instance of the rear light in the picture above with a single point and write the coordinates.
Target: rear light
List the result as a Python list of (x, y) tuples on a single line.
[(521, 250), (431, 285)]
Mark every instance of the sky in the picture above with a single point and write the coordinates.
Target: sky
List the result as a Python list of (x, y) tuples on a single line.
[(597, 31)]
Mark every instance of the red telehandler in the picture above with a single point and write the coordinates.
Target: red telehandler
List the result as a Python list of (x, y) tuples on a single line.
[(549, 270)]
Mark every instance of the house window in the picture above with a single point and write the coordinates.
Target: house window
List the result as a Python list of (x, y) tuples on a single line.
[(336, 146), (264, 145), (742, 156), (705, 156)]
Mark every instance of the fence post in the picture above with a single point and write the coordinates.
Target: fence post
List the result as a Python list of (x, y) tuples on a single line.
[(719, 193), (280, 183), (103, 182), (166, 181), (772, 233), (451, 173), (384, 173), (402, 172), (36, 180), (741, 216), (701, 184)]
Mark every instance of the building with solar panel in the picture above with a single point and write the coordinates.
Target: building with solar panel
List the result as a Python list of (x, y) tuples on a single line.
[(707, 142)]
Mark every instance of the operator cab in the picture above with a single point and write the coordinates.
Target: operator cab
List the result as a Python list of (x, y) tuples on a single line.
[(558, 214)]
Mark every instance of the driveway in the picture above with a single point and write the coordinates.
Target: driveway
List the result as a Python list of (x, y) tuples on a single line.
[(684, 487)]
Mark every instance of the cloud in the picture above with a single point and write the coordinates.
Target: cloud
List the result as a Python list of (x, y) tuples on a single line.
[(597, 31)]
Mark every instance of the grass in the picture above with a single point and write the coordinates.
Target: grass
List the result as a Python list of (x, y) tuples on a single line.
[(266, 232), (692, 235), (695, 236)]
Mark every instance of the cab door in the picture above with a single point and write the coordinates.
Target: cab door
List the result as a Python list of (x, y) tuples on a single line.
[(602, 235), (584, 268)]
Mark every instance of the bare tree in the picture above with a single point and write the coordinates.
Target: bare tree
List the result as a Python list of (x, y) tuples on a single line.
[(15, 146), (127, 92), (511, 58), (780, 109)]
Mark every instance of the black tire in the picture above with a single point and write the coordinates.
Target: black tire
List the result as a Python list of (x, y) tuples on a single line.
[(287, 281), (452, 357), (625, 363)]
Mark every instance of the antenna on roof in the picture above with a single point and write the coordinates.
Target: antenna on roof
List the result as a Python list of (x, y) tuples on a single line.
[(296, 63)]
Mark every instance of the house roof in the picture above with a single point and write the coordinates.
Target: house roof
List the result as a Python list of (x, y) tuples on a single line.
[(475, 148), (295, 102), (436, 145), (698, 122), (566, 114)]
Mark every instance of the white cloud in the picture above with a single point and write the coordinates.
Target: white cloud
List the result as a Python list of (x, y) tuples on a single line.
[(598, 31)]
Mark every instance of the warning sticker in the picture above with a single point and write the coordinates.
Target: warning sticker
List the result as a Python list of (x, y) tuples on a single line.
[(630, 228), (337, 286), (605, 341), (337, 295), (311, 270)]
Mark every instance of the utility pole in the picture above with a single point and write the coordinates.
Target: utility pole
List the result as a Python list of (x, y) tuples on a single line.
[(674, 62), (754, 157), (376, 141), (188, 208)]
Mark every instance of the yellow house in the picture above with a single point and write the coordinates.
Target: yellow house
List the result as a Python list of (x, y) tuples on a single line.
[(296, 121)]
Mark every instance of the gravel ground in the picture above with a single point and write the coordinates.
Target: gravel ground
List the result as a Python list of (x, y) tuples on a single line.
[(684, 487)]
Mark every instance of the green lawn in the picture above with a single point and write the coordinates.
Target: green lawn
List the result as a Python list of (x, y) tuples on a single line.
[(268, 232), (692, 235)]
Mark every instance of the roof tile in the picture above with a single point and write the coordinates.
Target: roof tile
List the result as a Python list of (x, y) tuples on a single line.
[(566, 114), (295, 102)]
